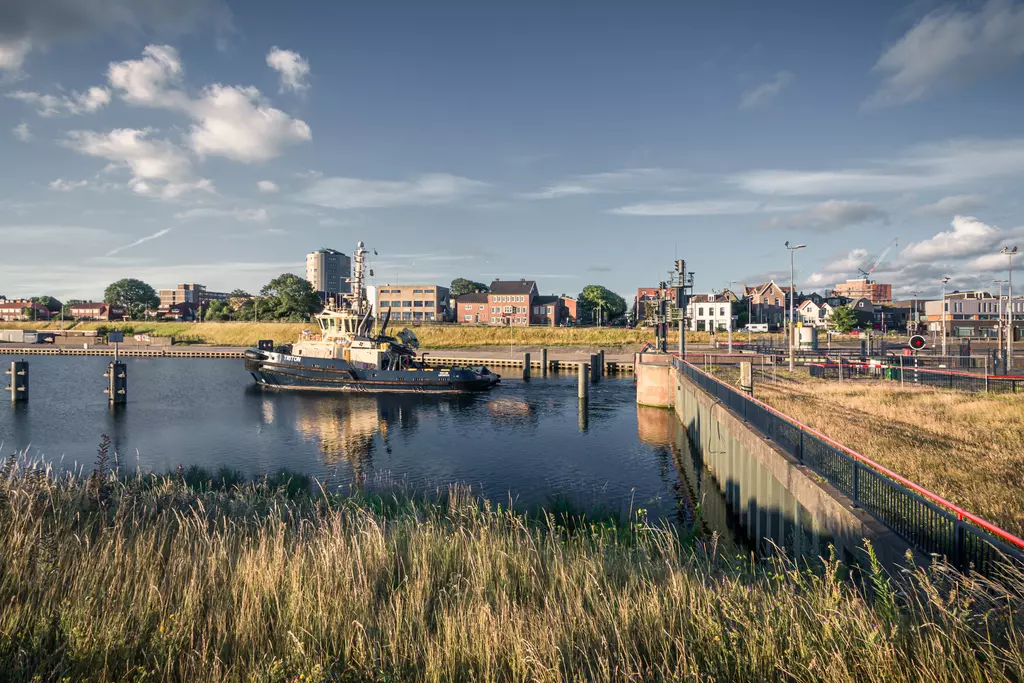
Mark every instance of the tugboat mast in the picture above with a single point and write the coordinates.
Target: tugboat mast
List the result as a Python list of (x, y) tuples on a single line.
[(357, 297)]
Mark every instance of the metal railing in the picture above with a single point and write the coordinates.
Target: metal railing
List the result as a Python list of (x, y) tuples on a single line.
[(908, 374), (927, 521)]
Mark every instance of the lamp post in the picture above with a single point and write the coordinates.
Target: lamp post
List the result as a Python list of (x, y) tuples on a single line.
[(728, 300), (1010, 253), (792, 287), (999, 309), (944, 280), (913, 310)]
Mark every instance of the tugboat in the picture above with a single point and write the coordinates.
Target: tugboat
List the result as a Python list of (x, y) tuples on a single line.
[(349, 355)]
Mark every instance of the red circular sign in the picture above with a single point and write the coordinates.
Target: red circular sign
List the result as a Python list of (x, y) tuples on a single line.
[(917, 342)]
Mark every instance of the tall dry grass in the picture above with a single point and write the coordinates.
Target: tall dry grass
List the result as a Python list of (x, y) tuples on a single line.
[(966, 447), (153, 579)]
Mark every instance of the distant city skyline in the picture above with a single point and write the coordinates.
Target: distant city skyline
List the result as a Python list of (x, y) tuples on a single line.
[(212, 142)]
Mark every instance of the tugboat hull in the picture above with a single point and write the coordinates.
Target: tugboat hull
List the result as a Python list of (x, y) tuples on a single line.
[(281, 371)]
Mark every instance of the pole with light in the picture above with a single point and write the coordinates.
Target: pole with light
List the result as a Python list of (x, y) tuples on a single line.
[(728, 300), (999, 327), (792, 293), (944, 280), (913, 310), (1010, 253)]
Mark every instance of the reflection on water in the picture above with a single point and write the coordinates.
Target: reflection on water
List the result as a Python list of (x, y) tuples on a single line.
[(739, 501)]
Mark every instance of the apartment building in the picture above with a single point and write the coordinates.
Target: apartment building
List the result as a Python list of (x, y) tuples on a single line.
[(22, 309), (189, 293), (972, 314), (96, 310), (711, 312), (328, 271), (423, 303), (875, 292), (814, 313), (767, 302)]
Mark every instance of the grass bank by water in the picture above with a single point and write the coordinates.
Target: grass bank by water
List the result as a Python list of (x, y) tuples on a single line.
[(430, 336), (967, 448), (188, 578)]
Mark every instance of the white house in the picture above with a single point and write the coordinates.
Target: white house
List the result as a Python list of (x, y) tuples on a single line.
[(707, 312), (812, 314)]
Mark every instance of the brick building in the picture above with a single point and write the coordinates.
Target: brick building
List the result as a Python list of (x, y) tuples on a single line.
[(516, 303), (424, 303), (875, 292), (22, 309), (96, 310)]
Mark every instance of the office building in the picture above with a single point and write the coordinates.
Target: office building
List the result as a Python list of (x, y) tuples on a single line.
[(329, 270)]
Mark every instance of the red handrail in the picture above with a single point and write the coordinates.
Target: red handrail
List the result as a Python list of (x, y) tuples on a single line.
[(960, 512)]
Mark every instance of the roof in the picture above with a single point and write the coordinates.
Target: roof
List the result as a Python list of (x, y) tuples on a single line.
[(472, 298), (543, 300), (512, 286), (88, 304)]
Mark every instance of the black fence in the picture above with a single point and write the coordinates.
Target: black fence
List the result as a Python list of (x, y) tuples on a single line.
[(845, 370), (907, 374), (928, 525)]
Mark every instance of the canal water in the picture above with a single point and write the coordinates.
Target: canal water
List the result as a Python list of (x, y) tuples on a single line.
[(527, 441)]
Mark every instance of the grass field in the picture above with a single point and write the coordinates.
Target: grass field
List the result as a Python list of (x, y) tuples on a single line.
[(430, 336), (968, 448), (168, 579)]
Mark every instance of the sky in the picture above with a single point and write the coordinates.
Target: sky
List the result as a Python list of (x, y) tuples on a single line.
[(571, 143)]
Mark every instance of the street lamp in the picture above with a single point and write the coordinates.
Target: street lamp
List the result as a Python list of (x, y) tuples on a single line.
[(913, 311), (1010, 253), (944, 280), (792, 287), (999, 327), (728, 300)]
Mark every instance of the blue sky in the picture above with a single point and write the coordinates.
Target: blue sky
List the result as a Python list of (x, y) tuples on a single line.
[(573, 143)]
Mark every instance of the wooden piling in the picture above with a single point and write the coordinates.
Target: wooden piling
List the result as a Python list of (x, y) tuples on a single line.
[(583, 388), (595, 362), (544, 362), (526, 365)]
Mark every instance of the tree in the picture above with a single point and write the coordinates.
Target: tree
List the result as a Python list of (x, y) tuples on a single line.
[(842, 319), (52, 304), (596, 298), (289, 297), (461, 285), (134, 295), (217, 310), (239, 294)]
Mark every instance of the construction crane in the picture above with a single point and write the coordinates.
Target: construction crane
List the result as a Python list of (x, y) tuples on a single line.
[(885, 252)]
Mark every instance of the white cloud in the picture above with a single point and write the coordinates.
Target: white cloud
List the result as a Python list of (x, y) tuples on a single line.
[(28, 25), (233, 122), (243, 215), (158, 168), (267, 186), (13, 54), (710, 207), (839, 270), (831, 215), (90, 101), (625, 180), (356, 193), (230, 121), (766, 92), (969, 237), (294, 70), (62, 185), (956, 204), (21, 132), (948, 48), (145, 81), (955, 163)]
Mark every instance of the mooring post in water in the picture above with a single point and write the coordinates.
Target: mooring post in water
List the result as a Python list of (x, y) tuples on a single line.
[(19, 380), (117, 383), (595, 373), (601, 365), (526, 365), (544, 362), (582, 415), (583, 390)]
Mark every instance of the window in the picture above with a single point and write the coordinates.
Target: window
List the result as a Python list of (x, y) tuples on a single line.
[(700, 311), (721, 311), (418, 315), (548, 310), (429, 316), (417, 304), (406, 304), (417, 291), (428, 291), (776, 301), (469, 318)]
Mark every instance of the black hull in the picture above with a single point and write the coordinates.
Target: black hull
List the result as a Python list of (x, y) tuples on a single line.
[(327, 375)]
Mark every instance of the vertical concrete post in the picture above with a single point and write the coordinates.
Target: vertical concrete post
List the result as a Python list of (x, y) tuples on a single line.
[(526, 365), (19, 380), (595, 373), (747, 378), (601, 367), (117, 383), (582, 415), (544, 362), (583, 389)]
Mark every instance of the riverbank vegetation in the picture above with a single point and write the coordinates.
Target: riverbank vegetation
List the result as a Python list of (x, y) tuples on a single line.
[(966, 447), (195, 576)]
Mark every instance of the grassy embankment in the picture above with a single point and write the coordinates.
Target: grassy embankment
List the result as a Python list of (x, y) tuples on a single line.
[(967, 448), (430, 336), (160, 579)]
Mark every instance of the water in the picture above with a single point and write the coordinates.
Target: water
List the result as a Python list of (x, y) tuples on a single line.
[(525, 440)]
